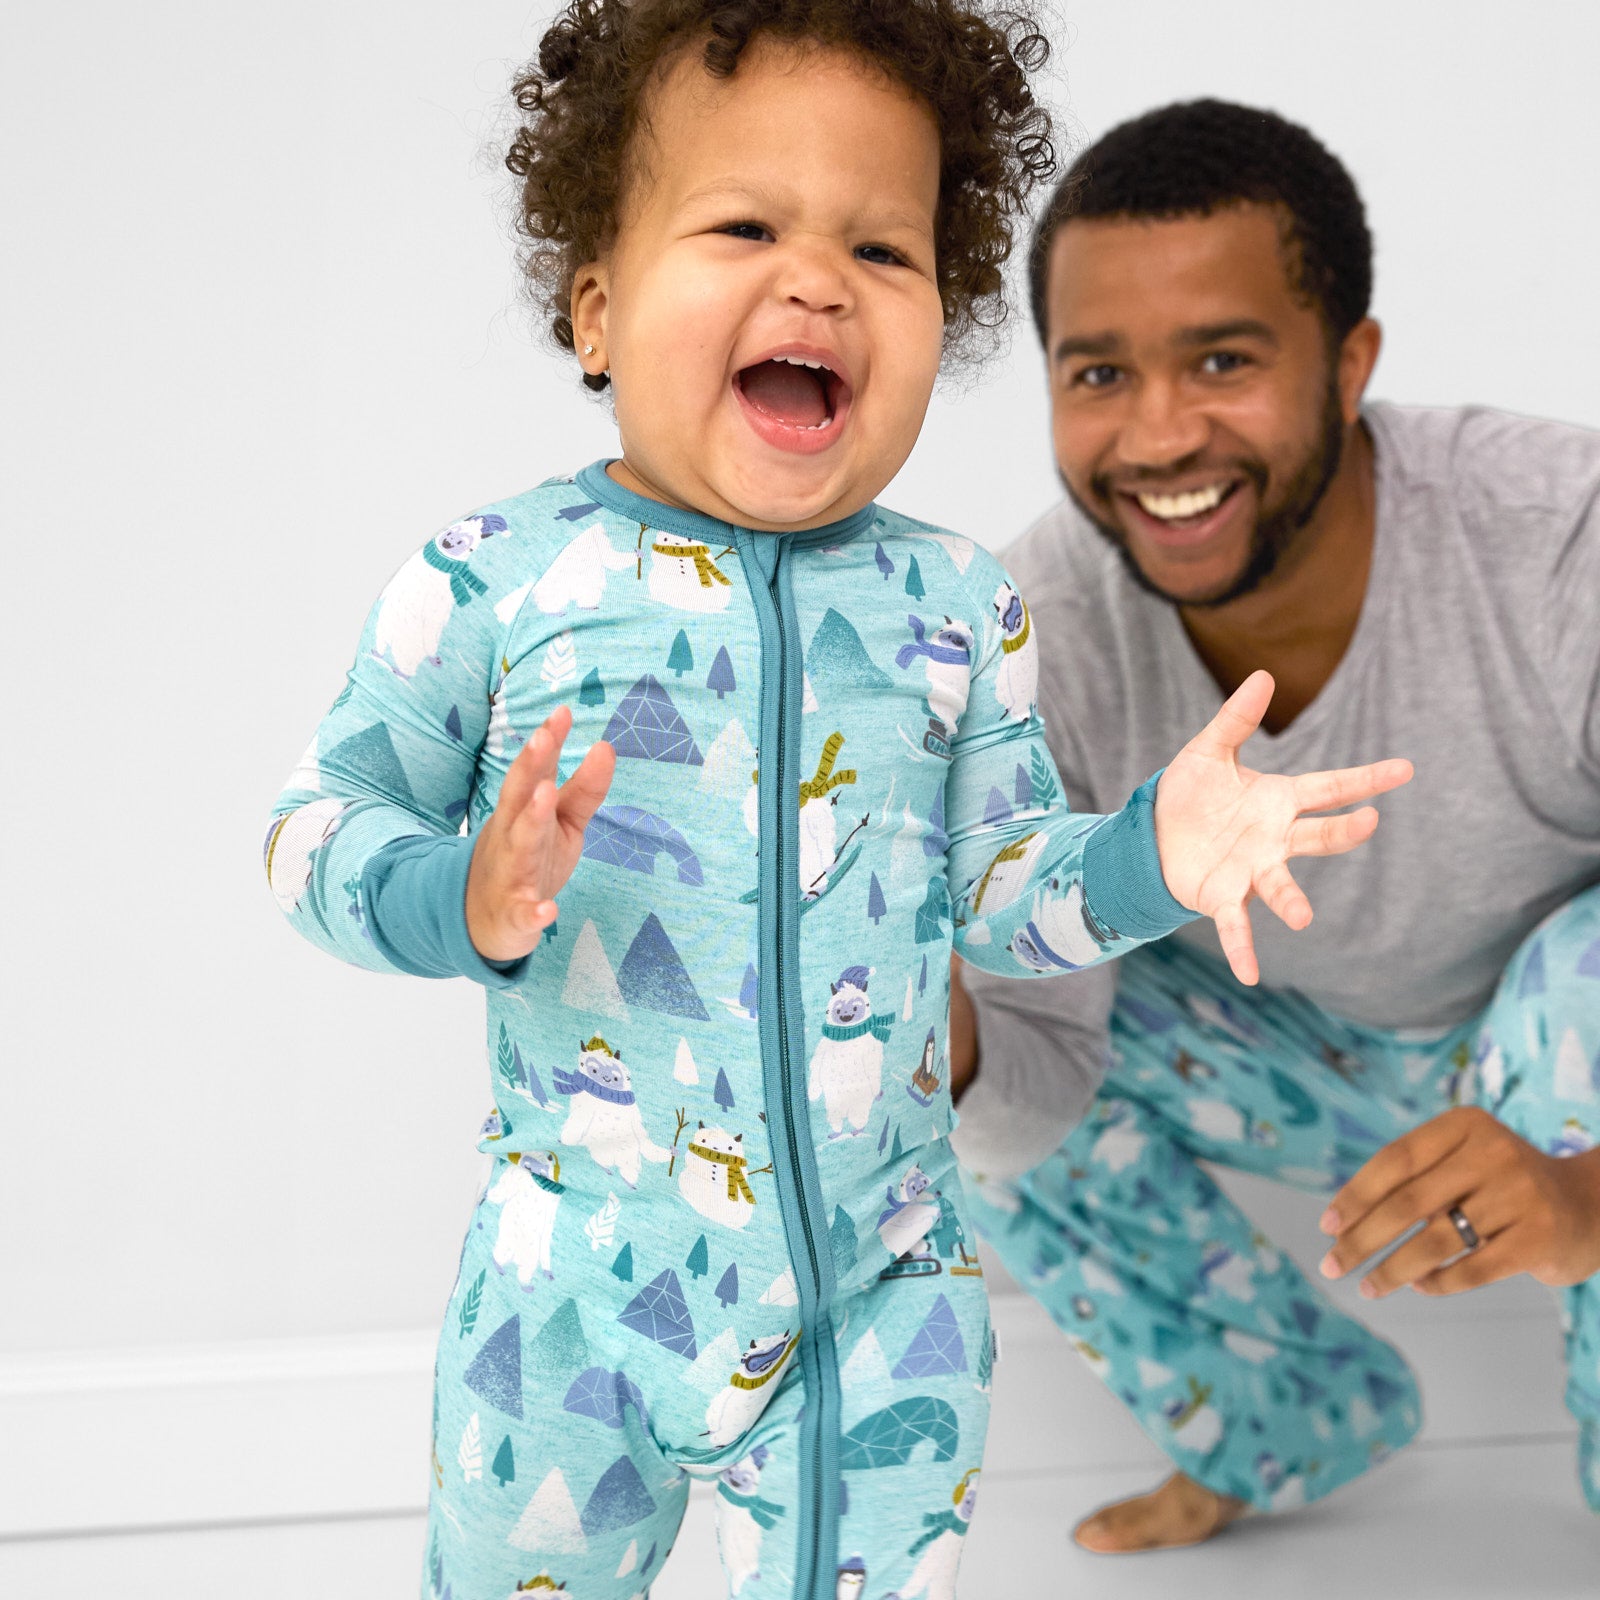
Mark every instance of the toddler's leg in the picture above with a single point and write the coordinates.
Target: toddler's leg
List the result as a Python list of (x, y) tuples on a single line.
[(1539, 1072), (544, 1465), (914, 1364)]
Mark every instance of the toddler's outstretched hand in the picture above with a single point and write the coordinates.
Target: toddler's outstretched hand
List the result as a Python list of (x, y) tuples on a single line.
[(527, 849), (1225, 833)]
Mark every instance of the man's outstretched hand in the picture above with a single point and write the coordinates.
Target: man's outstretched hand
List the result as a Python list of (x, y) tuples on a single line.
[(1225, 833), (527, 849)]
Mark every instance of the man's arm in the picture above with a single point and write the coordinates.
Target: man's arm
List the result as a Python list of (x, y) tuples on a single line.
[(1043, 1052)]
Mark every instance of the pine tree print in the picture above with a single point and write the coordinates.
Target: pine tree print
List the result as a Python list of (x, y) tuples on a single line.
[(681, 658), (884, 564), (721, 679), (592, 692), (876, 905), (914, 580), (723, 1093), (622, 1267), (504, 1466), (727, 1289), (699, 1259), (922, 978)]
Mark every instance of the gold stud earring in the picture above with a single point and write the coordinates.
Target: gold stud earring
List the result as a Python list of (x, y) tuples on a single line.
[(588, 349)]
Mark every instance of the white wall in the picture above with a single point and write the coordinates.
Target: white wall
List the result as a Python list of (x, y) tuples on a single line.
[(260, 338)]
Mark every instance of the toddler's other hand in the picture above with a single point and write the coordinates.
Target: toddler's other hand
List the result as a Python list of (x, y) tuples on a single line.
[(527, 849), (1225, 833)]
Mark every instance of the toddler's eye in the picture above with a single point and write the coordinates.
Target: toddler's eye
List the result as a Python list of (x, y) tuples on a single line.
[(746, 230), (880, 255)]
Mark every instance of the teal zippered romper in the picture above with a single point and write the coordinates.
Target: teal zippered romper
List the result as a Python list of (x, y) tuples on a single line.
[(722, 1235)]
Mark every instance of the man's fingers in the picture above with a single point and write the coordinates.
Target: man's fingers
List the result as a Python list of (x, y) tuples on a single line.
[(1332, 836), (1397, 1163), (1343, 786), (1284, 898), (1239, 717), (1499, 1257), (1429, 1194)]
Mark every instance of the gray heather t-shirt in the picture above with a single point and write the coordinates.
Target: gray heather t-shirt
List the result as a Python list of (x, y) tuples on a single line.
[(1477, 655)]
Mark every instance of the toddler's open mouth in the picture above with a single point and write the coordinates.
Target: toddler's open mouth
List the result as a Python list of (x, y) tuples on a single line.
[(795, 399)]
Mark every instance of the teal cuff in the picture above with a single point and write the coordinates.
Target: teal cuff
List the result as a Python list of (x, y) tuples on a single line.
[(1122, 882), (414, 901)]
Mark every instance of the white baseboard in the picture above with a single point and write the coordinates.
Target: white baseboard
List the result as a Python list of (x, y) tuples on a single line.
[(338, 1427)]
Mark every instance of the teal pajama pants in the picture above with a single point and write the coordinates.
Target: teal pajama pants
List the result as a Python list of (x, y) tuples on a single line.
[(1240, 1370)]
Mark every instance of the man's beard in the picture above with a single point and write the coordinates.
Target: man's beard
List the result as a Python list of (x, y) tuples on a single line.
[(1273, 535)]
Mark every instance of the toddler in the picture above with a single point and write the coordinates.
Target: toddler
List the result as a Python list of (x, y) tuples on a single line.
[(723, 1236)]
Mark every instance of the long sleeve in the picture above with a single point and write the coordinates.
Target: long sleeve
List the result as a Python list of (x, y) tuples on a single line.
[(366, 853), (1038, 889)]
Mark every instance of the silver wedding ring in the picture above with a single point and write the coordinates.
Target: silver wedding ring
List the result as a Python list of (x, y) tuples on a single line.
[(1469, 1234)]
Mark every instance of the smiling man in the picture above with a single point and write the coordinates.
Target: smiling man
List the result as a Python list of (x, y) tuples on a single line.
[(1428, 1052)]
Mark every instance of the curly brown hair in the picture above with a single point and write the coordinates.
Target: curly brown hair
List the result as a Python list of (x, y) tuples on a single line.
[(580, 102)]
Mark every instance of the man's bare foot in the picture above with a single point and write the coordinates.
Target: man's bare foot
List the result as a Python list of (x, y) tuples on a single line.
[(1180, 1512)]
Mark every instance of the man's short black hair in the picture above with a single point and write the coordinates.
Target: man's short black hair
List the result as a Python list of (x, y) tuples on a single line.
[(1197, 157)]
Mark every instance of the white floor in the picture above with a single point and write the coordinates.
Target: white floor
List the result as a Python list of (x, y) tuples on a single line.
[(1459, 1522), (1484, 1507)]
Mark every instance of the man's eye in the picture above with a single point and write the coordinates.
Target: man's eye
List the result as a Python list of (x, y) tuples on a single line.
[(1218, 362), (1096, 377), (880, 255), (746, 230)]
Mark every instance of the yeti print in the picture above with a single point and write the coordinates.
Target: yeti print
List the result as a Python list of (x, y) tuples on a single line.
[(851, 1582), (940, 1545), (1016, 684), (847, 1065), (947, 659), (528, 1193), (291, 842), (684, 574), (1060, 936), (577, 577), (743, 1517), (604, 1116), (913, 1209), (713, 1179), (819, 834), (735, 1407), (422, 595)]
